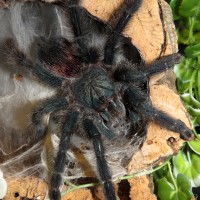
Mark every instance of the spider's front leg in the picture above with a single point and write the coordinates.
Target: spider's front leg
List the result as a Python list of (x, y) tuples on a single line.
[(131, 7), (82, 26), (127, 72), (59, 166), (103, 168)]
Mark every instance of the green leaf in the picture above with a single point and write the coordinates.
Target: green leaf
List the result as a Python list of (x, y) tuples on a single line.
[(174, 6), (185, 70), (189, 8), (193, 51), (186, 97), (195, 112), (189, 99), (166, 190), (195, 146), (180, 162), (189, 165), (184, 188), (182, 191)]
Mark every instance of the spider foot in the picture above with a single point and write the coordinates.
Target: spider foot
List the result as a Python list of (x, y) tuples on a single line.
[(185, 132), (55, 194), (109, 191)]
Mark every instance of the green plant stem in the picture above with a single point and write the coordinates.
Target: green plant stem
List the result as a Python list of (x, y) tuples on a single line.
[(190, 36), (196, 134), (79, 187), (198, 84), (69, 183), (192, 80), (146, 172), (172, 176), (188, 157)]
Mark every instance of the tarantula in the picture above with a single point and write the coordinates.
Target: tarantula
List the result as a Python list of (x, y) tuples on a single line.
[(98, 83)]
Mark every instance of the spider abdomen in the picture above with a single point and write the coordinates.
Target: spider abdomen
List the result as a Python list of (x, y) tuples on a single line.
[(58, 56), (92, 87)]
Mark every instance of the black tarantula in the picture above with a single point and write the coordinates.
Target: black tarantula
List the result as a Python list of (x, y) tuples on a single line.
[(99, 84)]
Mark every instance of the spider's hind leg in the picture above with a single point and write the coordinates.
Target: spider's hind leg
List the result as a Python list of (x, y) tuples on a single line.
[(139, 103), (103, 168), (168, 122), (60, 160)]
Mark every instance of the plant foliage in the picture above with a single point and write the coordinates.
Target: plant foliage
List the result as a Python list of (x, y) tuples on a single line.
[(174, 181)]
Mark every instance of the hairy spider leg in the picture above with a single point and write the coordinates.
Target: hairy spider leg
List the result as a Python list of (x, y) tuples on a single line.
[(103, 168), (90, 55), (59, 166), (130, 74), (137, 100), (75, 17), (51, 105), (137, 103), (16, 57), (161, 65), (131, 9), (167, 121), (74, 10), (46, 77)]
